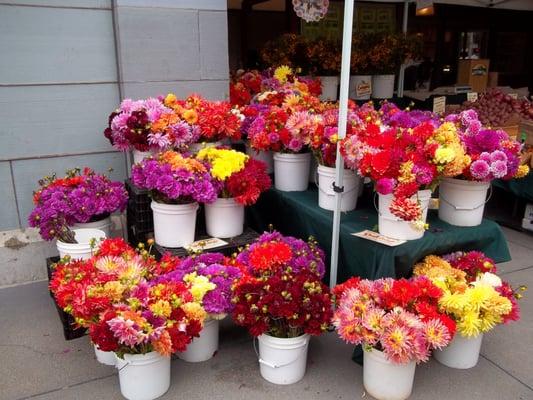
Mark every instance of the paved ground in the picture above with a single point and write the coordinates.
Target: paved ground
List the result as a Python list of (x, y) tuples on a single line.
[(36, 363)]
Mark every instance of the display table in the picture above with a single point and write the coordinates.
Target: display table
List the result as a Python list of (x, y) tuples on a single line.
[(298, 214)]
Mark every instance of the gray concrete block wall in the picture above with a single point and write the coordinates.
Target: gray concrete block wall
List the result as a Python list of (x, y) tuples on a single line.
[(64, 66)]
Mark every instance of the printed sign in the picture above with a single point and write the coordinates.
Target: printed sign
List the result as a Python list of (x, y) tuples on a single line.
[(206, 244), (439, 104), (471, 96), (479, 70), (363, 88), (376, 237)]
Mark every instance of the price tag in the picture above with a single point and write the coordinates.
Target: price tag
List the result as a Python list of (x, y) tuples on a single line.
[(471, 96), (439, 104), (513, 95), (206, 244), (376, 237)]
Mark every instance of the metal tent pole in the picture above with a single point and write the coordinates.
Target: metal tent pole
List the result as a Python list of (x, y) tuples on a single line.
[(401, 75)]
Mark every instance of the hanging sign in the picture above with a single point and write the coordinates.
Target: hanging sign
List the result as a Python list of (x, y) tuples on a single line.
[(311, 10)]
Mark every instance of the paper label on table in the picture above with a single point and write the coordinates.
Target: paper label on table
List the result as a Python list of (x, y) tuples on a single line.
[(376, 237), (206, 244), (439, 104), (471, 96)]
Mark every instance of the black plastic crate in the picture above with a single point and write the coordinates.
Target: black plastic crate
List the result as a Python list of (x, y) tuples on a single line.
[(69, 330), (248, 237), (139, 217)]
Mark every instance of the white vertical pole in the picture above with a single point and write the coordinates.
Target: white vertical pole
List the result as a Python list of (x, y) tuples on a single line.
[(401, 76), (343, 117)]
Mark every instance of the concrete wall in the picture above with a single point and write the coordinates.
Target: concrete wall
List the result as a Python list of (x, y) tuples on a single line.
[(65, 65)]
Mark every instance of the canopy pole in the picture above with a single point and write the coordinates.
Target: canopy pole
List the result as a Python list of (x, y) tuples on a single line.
[(401, 75), (343, 117)]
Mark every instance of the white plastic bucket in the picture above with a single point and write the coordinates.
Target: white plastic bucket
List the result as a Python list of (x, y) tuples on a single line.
[(143, 376), (382, 86), (104, 357), (391, 226), (82, 249), (224, 218), (174, 224), (104, 225), (330, 88), (385, 380), (196, 147), (291, 171), (204, 347), (360, 87), (283, 360), (326, 194), (265, 156), (462, 202), (461, 353), (138, 156)]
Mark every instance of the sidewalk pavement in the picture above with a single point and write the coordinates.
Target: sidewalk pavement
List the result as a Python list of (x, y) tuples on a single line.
[(37, 363)]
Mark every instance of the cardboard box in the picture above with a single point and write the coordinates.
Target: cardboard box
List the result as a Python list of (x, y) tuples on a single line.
[(474, 73)]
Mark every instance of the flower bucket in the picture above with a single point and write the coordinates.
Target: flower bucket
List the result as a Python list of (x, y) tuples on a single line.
[(360, 87), (383, 86), (204, 347), (174, 224), (283, 360), (82, 249), (143, 376), (196, 147), (385, 380), (138, 156), (461, 353), (264, 156), (391, 226), (105, 357), (330, 88), (224, 218), (326, 194), (291, 171), (103, 224), (461, 202)]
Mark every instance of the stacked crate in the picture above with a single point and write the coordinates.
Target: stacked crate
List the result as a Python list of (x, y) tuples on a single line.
[(139, 215)]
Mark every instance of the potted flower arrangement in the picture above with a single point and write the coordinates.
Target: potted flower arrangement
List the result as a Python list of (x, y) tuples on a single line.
[(324, 147), (240, 180), (492, 155), (474, 296), (176, 184), (398, 323), (325, 59), (82, 201), (282, 300), (211, 277), (129, 127), (215, 120), (360, 87)]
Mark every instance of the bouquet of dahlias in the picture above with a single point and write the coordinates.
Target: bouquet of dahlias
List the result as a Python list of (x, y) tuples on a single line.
[(130, 126), (239, 176), (76, 198), (244, 87), (175, 179), (219, 274), (472, 294), (399, 317), (324, 57), (287, 49), (492, 153), (215, 120), (281, 293)]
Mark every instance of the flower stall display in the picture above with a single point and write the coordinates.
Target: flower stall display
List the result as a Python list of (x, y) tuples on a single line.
[(282, 300), (324, 147), (491, 155), (210, 278), (215, 121), (75, 209), (398, 323), (176, 184), (473, 296), (129, 127), (240, 180), (325, 60)]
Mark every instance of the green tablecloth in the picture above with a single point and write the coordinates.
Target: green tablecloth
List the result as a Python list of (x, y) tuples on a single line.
[(522, 188), (298, 214)]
